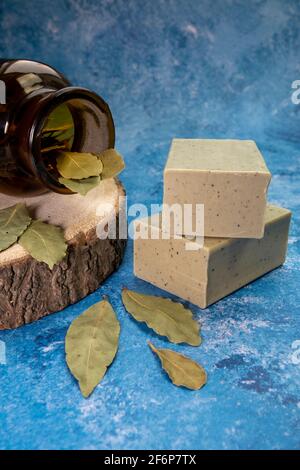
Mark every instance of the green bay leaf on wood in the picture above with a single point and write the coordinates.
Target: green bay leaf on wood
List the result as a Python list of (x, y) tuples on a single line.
[(44, 242), (91, 345), (78, 165), (113, 163), (183, 371), (164, 316), (13, 222), (81, 186)]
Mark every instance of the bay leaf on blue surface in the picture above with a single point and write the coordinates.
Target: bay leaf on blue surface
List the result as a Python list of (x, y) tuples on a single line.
[(165, 316), (183, 371), (91, 345)]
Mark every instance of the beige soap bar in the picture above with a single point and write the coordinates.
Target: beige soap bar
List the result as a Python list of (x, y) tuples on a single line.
[(229, 177), (214, 270)]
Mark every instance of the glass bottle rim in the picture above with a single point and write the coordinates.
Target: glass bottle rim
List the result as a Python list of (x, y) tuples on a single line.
[(49, 104)]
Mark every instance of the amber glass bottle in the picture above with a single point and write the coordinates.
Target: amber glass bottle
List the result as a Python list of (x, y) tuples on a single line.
[(41, 111)]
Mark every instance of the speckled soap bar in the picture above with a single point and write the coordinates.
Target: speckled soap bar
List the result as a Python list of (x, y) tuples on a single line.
[(216, 269), (229, 177)]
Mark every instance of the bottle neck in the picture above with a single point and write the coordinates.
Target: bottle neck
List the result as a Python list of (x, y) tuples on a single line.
[(93, 129)]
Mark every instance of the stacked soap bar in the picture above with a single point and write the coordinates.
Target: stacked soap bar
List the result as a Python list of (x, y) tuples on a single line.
[(207, 273), (244, 237), (229, 177)]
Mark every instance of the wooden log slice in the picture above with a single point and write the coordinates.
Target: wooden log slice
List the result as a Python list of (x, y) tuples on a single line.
[(29, 290)]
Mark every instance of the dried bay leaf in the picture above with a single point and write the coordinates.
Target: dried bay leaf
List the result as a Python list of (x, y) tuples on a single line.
[(113, 163), (91, 345), (53, 147), (44, 242), (183, 371), (56, 130), (64, 135), (59, 119), (164, 316), (81, 186), (78, 165), (13, 222)]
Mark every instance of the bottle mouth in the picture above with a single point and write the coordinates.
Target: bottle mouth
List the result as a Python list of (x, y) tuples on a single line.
[(88, 120)]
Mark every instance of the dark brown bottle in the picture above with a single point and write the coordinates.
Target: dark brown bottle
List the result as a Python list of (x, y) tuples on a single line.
[(36, 96)]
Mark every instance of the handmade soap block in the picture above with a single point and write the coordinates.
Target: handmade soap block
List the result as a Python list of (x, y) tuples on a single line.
[(215, 269), (229, 177)]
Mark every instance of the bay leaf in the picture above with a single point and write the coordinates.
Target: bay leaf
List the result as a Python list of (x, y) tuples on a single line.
[(59, 129), (113, 163), (81, 186), (13, 222), (50, 129), (183, 371), (59, 119), (53, 147), (164, 316), (78, 165), (62, 136), (44, 242), (91, 345)]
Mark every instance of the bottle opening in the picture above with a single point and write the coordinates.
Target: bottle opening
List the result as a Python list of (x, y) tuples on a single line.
[(79, 124)]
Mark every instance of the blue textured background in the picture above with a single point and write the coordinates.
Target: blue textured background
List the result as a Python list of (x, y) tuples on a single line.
[(183, 68)]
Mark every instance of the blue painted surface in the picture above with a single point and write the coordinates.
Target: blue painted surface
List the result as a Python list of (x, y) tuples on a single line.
[(181, 68)]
